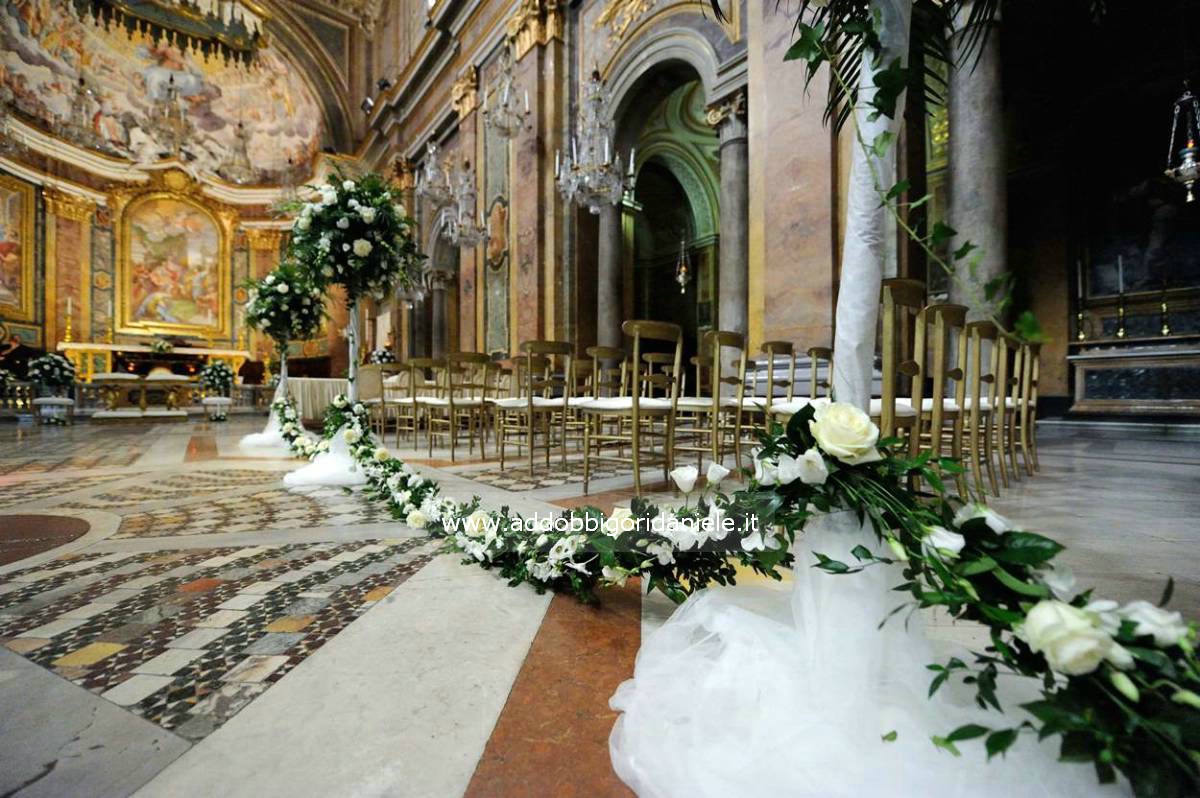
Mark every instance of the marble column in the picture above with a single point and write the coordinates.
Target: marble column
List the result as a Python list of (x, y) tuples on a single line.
[(416, 331), (608, 278), (978, 187), (729, 118), (439, 281)]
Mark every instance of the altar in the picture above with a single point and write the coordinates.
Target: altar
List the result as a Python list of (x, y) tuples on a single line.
[(313, 395), (91, 358)]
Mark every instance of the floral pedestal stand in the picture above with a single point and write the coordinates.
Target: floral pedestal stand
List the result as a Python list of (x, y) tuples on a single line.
[(335, 467), (270, 442)]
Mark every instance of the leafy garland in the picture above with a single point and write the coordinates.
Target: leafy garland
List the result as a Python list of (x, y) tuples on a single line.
[(52, 370), (1121, 685)]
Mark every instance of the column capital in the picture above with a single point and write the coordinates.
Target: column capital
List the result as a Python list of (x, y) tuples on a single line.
[(440, 279), (535, 22), (728, 116), (68, 206), (463, 94)]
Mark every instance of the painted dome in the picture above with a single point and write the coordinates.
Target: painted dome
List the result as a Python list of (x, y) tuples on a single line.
[(47, 48)]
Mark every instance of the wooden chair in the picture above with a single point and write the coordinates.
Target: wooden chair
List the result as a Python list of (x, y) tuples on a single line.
[(547, 394), (718, 415), (940, 330), (371, 394), (644, 414), (980, 402), (818, 387), (1026, 411), (422, 384), (462, 402), (901, 302)]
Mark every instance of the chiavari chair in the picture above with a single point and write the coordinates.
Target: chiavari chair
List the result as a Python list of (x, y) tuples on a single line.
[(462, 402), (1026, 412), (939, 331), (718, 416), (901, 302), (979, 403), (421, 383), (650, 419), (371, 394), (819, 387), (518, 418)]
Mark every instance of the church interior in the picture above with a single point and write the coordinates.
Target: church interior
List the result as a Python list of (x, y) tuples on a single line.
[(480, 260)]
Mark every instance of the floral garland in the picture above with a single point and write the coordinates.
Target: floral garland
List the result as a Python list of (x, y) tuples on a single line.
[(216, 377), (1121, 685), (52, 371), (292, 430)]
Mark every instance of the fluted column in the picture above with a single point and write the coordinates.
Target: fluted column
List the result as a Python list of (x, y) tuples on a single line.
[(608, 278), (978, 187), (439, 281), (729, 118)]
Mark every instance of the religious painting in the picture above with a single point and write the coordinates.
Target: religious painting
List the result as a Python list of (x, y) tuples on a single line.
[(16, 249), (45, 48), (174, 265)]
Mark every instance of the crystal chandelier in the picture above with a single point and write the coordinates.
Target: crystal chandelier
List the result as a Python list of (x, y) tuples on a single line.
[(591, 173), (237, 167), (460, 225), (433, 181), (683, 267), (168, 121), (506, 118), (1186, 169), (77, 127)]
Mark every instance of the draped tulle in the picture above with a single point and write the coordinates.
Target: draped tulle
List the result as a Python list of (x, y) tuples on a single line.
[(790, 690)]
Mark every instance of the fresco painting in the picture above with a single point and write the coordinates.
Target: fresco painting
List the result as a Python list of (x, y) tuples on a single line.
[(174, 265)]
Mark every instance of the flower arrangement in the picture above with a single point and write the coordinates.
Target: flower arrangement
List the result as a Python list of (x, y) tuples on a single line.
[(216, 378), (1121, 684), (286, 304), (6, 378), (292, 430), (355, 233), (381, 356), (52, 371), (161, 346)]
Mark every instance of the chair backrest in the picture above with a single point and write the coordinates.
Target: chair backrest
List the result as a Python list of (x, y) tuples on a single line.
[(466, 375), (370, 382), (552, 376), (902, 300), (640, 331), (657, 364), (1033, 372), (726, 347), (818, 387), (939, 334), (981, 366), (611, 379), (423, 376), (773, 350)]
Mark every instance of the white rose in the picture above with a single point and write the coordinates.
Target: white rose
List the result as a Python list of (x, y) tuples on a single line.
[(400, 211), (270, 278), (1167, 628), (476, 524), (1107, 614), (1070, 639), (620, 520), (759, 540), (348, 185), (362, 247), (352, 435), (845, 432), (368, 214), (1061, 581), (327, 271), (282, 288), (416, 519), (765, 472), (714, 524), (303, 223), (661, 551), (945, 542), (343, 223), (996, 522), (716, 473), (615, 576), (685, 477), (381, 455), (359, 408), (809, 468)]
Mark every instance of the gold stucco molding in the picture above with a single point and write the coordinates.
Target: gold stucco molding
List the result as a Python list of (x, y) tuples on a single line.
[(733, 105), (268, 239), (618, 15), (535, 22), (67, 206), (464, 94)]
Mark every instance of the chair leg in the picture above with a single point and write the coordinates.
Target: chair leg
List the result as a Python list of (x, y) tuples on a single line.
[(1025, 456), (956, 451), (587, 450), (1011, 445), (501, 420), (996, 442), (637, 465), (1033, 437)]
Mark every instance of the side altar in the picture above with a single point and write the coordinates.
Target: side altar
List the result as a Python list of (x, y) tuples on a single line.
[(92, 358)]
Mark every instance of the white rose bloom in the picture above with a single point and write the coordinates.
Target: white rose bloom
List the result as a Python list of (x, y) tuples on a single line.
[(685, 477), (368, 214), (996, 522), (1070, 639), (620, 520), (759, 540), (1167, 628), (328, 272), (616, 576), (362, 247), (1107, 613), (476, 524), (400, 211), (381, 455), (352, 435), (661, 551), (416, 519), (765, 472), (270, 278), (809, 468), (359, 408), (282, 288), (714, 524), (348, 185), (303, 223), (845, 432), (343, 223), (1061, 581), (948, 544), (345, 247), (716, 473)]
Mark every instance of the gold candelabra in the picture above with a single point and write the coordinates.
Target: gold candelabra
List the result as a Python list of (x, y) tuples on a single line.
[(1165, 329), (1080, 332), (1121, 315), (68, 336)]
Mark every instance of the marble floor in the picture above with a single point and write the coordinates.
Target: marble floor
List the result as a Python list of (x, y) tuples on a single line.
[(173, 622)]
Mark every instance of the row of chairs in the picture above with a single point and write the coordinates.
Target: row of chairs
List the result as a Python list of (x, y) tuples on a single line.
[(975, 387)]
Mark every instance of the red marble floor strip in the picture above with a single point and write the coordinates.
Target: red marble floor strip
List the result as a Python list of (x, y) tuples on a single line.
[(23, 536), (201, 447), (552, 736)]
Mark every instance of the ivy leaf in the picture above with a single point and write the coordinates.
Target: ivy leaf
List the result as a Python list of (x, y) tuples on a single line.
[(999, 742), (968, 732), (941, 233), (807, 46), (898, 189), (890, 737), (882, 143), (946, 745), (1027, 548), (890, 84), (830, 565), (1168, 591), (964, 250)]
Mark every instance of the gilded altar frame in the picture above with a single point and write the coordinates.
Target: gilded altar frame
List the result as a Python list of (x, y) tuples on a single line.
[(174, 185), (24, 310)]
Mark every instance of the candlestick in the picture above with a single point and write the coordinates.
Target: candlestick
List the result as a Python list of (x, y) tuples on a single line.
[(1080, 332), (1121, 315), (1120, 275), (1079, 280), (1165, 329), (68, 307)]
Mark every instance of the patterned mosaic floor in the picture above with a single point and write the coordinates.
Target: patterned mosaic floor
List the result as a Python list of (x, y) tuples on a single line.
[(14, 491), (187, 639), (34, 450), (516, 477), (180, 487), (249, 512)]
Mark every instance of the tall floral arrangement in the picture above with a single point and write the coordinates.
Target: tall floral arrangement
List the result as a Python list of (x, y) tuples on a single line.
[(216, 377), (285, 305), (52, 371), (355, 233)]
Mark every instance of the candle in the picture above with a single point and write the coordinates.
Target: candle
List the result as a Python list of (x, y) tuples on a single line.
[(557, 163), (1120, 275), (606, 150), (1079, 279), (68, 306), (527, 101)]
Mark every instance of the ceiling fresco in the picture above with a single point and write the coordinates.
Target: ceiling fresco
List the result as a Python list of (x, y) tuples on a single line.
[(45, 48)]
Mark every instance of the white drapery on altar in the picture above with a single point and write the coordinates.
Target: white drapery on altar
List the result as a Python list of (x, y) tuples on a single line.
[(314, 395)]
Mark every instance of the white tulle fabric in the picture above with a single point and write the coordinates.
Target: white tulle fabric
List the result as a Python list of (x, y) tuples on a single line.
[(332, 468), (777, 690), (268, 443)]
